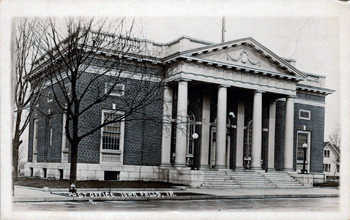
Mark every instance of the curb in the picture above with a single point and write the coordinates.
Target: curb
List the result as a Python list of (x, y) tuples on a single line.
[(199, 197), (114, 189)]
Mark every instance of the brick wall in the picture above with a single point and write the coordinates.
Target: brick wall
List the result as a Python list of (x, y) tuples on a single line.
[(315, 126), (140, 145)]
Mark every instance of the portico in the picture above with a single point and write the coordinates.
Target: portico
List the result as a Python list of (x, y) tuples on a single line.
[(230, 90)]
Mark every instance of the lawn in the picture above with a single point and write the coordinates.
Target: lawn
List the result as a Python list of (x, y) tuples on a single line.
[(51, 183)]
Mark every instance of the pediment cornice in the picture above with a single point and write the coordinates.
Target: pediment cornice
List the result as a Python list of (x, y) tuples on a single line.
[(242, 57), (237, 67)]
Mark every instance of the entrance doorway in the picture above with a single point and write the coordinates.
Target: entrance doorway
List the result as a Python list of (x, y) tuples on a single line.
[(213, 147)]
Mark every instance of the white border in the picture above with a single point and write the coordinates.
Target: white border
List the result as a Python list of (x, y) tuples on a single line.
[(258, 9)]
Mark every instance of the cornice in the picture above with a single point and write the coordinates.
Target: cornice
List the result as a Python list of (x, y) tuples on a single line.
[(315, 89), (238, 68)]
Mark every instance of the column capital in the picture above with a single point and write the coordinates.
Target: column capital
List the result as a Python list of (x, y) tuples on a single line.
[(259, 91), (291, 97), (224, 86), (273, 101), (182, 80)]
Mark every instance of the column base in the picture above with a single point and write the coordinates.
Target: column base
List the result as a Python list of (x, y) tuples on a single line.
[(220, 167), (204, 167), (272, 169), (288, 170), (241, 168), (256, 168), (181, 166), (165, 165)]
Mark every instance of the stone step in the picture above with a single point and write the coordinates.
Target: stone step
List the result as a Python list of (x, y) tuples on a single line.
[(218, 180), (289, 184), (220, 184), (249, 179), (223, 187)]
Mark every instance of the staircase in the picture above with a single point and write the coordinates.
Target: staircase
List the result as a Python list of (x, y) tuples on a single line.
[(248, 179), (283, 180), (251, 179), (218, 180)]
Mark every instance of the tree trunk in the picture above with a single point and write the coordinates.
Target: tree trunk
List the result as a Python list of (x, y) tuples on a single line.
[(74, 155), (15, 144), (15, 148)]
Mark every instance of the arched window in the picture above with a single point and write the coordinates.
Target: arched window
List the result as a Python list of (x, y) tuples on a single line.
[(191, 129), (248, 151)]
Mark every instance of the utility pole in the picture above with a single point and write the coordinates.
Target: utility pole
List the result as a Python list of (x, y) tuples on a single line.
[(223, 28)]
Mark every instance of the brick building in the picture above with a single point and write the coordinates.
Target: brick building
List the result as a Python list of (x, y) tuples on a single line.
[(233, 106)]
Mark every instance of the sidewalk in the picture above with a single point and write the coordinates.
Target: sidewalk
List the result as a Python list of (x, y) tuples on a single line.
[(28, 194)]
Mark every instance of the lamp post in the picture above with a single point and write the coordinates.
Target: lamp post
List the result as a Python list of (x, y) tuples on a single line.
[(304, 148), (195, 136)]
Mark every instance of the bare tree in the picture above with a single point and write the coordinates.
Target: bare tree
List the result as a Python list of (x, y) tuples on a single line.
[(26, 93), (85, 61), (335, 136)]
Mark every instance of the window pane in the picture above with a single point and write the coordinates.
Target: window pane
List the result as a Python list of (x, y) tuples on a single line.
[(111, 132), (302, 138)]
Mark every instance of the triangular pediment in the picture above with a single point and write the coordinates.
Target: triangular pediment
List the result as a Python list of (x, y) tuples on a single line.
[(246, 53)]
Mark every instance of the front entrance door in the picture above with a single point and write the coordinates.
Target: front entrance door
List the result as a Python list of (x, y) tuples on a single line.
[(212, 152)]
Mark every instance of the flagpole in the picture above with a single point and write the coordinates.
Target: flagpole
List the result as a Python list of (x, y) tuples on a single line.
[(223, 28)]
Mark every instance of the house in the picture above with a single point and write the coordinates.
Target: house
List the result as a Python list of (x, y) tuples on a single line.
[(331, 161), (234, 106)]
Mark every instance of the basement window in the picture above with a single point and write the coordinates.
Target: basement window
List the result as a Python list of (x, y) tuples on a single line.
[(61, 174), (112, 175), (45, 172)]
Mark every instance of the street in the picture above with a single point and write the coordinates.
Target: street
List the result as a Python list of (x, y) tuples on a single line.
[(282, 204)]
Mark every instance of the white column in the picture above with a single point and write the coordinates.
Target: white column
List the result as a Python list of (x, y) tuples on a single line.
[(272, 124), (240, 136), (181, 128), (166, 132), (257, 130), (289, 135), (220, 162), (205, 132)]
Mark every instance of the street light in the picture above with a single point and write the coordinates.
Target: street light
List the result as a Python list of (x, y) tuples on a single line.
[(303, 171), (190, 159)]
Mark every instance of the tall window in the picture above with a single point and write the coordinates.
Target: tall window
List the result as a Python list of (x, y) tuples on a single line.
[(35, 136), (248, 149), (111, 133), (302, 138), (65, 142), (50, 142), (191, 129)]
